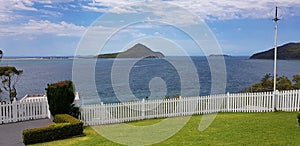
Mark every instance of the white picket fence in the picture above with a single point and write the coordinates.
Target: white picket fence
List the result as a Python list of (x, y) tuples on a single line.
[(99, 114), (28, 109)]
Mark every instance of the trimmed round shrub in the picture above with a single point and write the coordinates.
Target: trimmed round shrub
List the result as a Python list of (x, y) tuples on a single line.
[(60, 97)]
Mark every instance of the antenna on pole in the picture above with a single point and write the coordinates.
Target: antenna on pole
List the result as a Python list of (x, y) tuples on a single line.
[(276, 19), (276, 15)]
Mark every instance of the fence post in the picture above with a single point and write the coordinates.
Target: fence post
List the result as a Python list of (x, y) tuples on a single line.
[(180, 106), (102, 114), (298, 99), (143, 108), (275, 100), (14, 110), (227, 98), (47, 109)]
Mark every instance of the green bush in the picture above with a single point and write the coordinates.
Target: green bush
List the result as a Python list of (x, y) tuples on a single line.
[(75, 111), (64, 118), (65, 126), (60, 97)]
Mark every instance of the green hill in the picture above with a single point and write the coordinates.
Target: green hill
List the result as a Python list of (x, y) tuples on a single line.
[(290, 51), (137, 51)]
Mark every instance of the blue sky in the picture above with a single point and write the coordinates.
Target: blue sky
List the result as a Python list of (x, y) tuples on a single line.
[(56, 27)]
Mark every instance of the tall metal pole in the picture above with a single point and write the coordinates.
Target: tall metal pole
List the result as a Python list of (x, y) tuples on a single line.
[(275, 101), (275, 48)]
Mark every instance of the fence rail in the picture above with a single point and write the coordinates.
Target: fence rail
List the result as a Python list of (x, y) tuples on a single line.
[(99, 114), (29, 109)]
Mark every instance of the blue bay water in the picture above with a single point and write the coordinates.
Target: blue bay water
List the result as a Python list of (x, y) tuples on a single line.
[(153, 78)]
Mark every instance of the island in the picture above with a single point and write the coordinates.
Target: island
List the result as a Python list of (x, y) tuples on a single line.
[(289, 51), (137, 51)]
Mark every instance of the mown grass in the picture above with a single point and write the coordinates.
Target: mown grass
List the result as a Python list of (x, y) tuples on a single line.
[(277, 128)]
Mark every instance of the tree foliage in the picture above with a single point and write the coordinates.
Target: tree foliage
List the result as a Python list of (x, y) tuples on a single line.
[(9, 76), (283, 83), (60, 97), (296, 80)]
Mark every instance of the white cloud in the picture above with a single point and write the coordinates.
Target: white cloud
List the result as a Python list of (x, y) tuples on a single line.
[(134, 33), (95, 9), (11, 10), (9, 5), (112, 6), (51, 1), (47, 13), (34, 27), (210, 9), (48, 6), (205, 9), (7, 17)]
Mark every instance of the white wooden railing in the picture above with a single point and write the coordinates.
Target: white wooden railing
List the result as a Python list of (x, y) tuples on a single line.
[(98, 114), (29, 109)]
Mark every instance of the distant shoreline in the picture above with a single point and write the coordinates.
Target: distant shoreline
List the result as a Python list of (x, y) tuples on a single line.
[(38, 58), (83, 57)]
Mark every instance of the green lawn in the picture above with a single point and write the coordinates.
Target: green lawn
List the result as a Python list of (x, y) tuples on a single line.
[(227, 129)]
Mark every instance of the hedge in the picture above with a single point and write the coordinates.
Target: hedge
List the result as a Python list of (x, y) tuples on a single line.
[(60, 97), (65, 126)]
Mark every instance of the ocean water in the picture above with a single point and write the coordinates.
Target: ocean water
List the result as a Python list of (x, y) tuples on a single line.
[(118, 80)]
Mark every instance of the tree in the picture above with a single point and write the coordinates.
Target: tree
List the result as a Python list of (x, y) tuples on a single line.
[(60, 97), (296, 80), (265, 84), (9, 76), (283, 83)]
